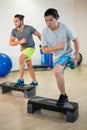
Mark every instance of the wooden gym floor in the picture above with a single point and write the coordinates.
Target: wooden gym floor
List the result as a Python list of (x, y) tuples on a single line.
[(13, 106)]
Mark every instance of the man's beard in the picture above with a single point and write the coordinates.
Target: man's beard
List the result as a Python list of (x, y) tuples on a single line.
[(19, 26)]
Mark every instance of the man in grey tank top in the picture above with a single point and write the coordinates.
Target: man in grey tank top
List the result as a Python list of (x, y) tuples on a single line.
[(56, 39), (22, 35)]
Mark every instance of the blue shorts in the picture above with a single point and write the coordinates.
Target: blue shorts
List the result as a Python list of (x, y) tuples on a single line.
[(63, 60)]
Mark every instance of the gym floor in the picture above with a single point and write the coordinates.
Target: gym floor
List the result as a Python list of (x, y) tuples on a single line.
[(13, 106)]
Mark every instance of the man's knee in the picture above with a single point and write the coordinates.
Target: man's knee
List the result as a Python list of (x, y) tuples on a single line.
[(58, 70), (22, 58), (29, 64)]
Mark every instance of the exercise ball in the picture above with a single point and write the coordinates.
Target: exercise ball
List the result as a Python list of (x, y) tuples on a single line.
[(5, 64)]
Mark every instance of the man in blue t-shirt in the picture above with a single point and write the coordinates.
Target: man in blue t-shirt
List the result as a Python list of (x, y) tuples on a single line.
[(56, 38), (22, 35)]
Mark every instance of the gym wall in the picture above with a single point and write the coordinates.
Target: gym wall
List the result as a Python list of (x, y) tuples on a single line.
[(33, 10), (80, 24)]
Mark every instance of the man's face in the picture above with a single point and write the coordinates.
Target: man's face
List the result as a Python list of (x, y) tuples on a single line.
[(51, 22), (18, 22)]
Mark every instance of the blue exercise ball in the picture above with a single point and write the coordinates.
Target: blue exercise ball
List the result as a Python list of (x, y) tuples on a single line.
[(5, 64)]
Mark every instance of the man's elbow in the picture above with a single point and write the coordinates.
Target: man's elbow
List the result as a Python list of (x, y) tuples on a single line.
[(11, 44)]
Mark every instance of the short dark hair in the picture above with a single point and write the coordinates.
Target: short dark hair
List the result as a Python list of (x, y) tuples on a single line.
[(53, 12), (21, 17)]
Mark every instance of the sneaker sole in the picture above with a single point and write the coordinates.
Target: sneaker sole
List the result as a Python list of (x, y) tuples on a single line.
[(33, 85)]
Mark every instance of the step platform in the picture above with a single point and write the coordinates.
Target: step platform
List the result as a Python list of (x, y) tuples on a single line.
[(69, 108), (40, 66), (29, 91)]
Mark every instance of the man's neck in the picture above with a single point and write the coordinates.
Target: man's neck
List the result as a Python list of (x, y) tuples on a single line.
[(56, 27), (20, 28)]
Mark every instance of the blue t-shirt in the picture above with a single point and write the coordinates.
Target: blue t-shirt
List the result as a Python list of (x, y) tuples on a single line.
[(64, 34), (27, 34)]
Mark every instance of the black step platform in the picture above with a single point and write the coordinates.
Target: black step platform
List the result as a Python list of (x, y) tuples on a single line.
[(29, 91), (40, 66), (69, 108)]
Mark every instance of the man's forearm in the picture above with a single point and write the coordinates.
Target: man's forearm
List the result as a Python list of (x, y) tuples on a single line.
[(14, 43), (76, 44), (58, 46), (48, 49)]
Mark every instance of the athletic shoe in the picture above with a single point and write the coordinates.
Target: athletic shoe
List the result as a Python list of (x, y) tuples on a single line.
[(20, 83), (62, 99), (33, 83)]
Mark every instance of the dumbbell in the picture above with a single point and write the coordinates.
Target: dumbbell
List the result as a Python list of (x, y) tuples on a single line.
[(71, 62)]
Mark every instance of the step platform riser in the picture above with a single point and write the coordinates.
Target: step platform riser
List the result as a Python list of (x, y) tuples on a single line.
[(29, 91), (70, 109)]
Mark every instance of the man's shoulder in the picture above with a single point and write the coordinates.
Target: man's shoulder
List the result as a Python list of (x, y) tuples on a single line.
[(28, 26), (14, 30), (46, 29), (63, 25)]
